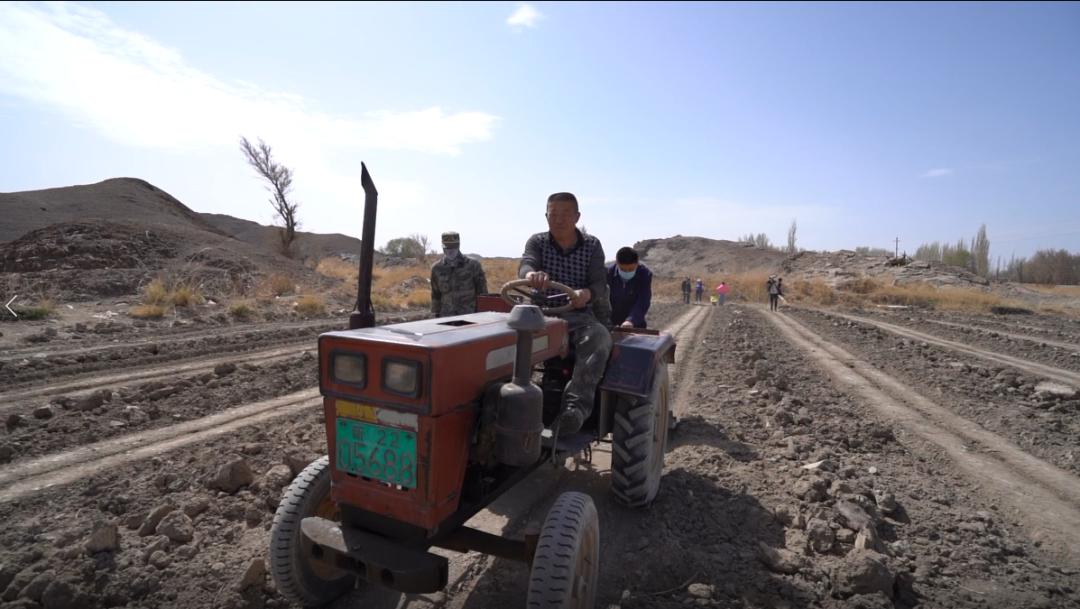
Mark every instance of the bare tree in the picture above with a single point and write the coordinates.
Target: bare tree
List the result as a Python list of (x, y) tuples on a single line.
[(280, 179), (791, 247), (980, 252)]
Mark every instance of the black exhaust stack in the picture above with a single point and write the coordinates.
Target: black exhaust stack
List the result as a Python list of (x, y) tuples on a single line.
[(364, 316)]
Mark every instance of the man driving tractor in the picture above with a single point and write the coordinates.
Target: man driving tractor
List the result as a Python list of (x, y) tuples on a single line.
[(566, 255)]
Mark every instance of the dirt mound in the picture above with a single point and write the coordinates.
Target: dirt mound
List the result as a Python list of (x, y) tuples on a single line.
[(837, 267), (679, 255), (130, 199), (88, 245), (111, 238)]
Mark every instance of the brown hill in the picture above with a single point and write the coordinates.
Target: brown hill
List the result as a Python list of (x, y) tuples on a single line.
[(110, 238), (129, 199), (698, 256)]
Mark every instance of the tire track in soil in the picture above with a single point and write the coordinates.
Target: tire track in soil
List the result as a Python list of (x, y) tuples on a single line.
[(1044, 497), (39, 474), (1023, 337), (185, 336), (1056, 374), (153, 373)]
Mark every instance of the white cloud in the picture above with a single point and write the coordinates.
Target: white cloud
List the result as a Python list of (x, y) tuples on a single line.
[(937, 173), (133, 90), (525, 16)]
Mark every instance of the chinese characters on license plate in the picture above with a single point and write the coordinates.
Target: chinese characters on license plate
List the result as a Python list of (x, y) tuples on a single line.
[(377, 452)]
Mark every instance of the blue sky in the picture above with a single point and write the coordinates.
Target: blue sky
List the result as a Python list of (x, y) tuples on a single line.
[(863, 122)]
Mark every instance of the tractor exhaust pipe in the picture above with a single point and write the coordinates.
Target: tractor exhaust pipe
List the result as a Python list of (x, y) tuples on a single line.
[(364, 316)]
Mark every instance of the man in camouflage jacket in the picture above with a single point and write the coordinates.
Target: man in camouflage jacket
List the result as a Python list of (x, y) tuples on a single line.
[(456, 280)]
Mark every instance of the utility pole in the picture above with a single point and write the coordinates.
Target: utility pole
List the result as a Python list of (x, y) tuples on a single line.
[(896, 253)]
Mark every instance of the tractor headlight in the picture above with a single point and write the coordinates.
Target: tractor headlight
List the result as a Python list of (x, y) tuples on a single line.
[(350, 368), (401, 377)]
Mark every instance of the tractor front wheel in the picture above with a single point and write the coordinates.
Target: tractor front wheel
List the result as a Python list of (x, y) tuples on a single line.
[(639, 441), (298, 577), (566, 566)]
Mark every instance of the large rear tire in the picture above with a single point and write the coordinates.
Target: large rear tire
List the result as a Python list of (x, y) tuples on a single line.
[(639, 441), (566, 567), (298, 577)]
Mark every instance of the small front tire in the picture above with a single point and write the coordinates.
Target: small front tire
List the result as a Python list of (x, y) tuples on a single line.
[(566, 567), (298, 577)]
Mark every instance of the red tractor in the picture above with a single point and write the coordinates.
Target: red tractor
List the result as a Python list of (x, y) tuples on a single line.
[(429, 421)]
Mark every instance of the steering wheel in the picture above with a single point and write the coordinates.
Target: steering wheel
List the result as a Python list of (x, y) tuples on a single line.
[(518, 292)]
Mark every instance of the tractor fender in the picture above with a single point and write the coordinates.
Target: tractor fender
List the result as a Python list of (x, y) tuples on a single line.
[(634, 357)]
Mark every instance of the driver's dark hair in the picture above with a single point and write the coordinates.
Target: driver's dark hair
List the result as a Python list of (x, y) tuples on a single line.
[(559, 197), (626, 255)]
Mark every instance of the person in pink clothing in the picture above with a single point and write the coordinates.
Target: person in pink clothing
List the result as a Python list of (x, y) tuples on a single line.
[(721, 293)]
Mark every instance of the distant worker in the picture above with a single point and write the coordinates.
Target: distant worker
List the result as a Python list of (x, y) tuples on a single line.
[(630, 288), (686, 287), (775, 288), (721, 293), (699, 289), (456, 280), (568, 256)]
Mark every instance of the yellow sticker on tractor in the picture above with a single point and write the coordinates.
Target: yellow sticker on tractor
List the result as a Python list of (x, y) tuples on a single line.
[(360, 412)]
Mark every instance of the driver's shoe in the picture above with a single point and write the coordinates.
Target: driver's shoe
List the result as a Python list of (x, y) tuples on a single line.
[(570, 421)]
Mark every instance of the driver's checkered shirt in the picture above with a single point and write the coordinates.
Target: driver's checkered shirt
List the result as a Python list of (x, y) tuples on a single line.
[(580, 267)]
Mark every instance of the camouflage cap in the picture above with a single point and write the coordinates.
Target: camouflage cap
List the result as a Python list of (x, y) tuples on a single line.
[(451, 239)]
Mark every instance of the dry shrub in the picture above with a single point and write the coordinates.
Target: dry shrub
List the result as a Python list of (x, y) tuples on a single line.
[(185, 296), (43, 308), (945, 298), (279, 285), (242, 310), (147, 311), (749, 287), (310, 305), (499, 271), (862, 285), (815, 292), (337, 268), (156, 293), (419, 299)]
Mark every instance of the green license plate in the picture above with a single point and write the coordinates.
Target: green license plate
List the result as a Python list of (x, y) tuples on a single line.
[(377, 452)]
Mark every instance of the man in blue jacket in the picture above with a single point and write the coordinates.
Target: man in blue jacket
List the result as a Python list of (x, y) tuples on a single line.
[(630, 289)]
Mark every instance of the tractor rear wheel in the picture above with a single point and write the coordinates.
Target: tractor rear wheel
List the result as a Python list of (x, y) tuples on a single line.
[(298, 577), (639, 441), (566, 567)]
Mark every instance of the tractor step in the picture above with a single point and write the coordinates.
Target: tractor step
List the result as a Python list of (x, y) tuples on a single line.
[(568, 444), (374, 558)]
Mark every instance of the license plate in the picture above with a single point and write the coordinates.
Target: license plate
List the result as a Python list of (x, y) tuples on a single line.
[(377, 452)]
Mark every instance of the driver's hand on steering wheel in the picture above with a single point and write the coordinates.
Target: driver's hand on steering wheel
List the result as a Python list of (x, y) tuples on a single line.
[(581, 298), (537, 279)]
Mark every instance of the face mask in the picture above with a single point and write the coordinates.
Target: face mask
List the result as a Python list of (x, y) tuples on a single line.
[(451, 252), (627, 275)]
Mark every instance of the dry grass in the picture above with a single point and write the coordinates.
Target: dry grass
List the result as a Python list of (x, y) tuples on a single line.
[(42, 309), (1071, 291), (147, 311), (399, 288), (156, 293), (163, 293), (242, 310), (185, 296), (278, 285), (337, 268), (310, 305), (815, 292)]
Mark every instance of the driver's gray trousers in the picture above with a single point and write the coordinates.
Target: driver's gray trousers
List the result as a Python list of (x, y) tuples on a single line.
[(592, 345)]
